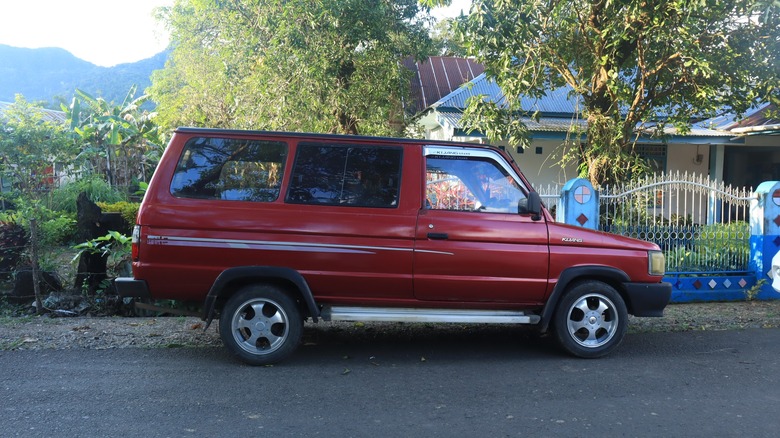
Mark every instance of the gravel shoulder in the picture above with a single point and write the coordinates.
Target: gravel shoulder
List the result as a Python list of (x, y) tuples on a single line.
[(39, 333)]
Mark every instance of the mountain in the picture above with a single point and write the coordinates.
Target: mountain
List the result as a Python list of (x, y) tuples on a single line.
[(52, 75)]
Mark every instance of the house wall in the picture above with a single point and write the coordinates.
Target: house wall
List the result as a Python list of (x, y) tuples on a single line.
[(543, 167), (763, 140), (688, 158), (439, 133)]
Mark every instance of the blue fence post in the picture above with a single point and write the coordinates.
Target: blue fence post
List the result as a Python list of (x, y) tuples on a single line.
[(765, 235), (580, 204)]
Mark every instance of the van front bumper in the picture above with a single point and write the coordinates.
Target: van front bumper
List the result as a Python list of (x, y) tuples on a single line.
[(129, 287), (648, 299)]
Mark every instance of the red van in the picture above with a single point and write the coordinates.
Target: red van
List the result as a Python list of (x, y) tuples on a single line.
[(268, 229)]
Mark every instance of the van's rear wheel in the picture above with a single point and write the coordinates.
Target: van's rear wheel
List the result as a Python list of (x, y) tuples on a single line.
[(261, 324), (591, 319)]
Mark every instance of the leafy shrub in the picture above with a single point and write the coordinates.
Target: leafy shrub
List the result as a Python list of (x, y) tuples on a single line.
[(128, 210), (115, 246), (11, 216), (717, 247), (98, 190), (54, 228), (725, 246), (60, 230)]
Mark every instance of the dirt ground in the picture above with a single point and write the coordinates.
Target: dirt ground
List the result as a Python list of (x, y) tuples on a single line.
[(35, 333)]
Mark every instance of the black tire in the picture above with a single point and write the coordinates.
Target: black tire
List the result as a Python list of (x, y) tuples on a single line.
[(591, 319), (261, 324)]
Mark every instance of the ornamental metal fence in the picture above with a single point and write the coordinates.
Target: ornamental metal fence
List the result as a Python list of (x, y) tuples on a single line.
[(551, 196), (701, 225)]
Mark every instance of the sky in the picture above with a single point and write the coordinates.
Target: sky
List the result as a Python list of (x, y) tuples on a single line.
[(103, 32)]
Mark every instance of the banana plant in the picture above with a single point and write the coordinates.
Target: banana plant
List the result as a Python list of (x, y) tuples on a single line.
[(124, 136)]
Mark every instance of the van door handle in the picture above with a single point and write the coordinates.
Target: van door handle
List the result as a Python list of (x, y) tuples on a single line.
[(438, 236)]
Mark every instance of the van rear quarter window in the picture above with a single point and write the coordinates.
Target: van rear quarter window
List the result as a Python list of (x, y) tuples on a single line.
[(345, 175), (230, 169)]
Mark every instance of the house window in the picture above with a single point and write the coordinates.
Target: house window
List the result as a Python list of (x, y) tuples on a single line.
[(654, 155)]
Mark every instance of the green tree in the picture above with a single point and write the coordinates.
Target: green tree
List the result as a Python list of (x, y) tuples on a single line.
[(30, 148), (325, 66), (447, 38), (636, 66), (120, 141)]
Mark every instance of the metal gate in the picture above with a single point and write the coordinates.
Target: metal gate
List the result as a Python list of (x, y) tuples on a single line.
[(701, 225)]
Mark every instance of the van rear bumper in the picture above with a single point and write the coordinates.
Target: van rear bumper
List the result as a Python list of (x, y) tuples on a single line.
[(648, 299), (129, 287)]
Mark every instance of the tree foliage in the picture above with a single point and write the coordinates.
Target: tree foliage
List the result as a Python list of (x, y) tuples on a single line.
[(324, 66), (30, 147), (446, 36), (636, 66), (121, 142)]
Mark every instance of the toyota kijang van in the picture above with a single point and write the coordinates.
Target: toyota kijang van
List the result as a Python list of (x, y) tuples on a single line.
[(270, 229)]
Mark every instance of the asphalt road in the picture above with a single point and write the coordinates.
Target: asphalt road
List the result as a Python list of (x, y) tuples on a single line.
[(455, 383)]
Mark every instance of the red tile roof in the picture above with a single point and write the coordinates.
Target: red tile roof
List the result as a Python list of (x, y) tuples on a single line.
[(437, 77)]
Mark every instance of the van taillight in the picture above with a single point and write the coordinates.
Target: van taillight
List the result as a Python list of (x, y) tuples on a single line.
[(136, 243)]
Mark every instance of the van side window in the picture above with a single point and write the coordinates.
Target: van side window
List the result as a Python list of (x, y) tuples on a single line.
[(470, 184), (345, 175), (230, 169)]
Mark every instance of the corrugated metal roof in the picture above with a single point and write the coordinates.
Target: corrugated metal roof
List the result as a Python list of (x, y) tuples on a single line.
[(763, 116), (760, 120), (557, 110), (48, 115), (696, 131), (452, 117), (717, 123), (558, 101), (437, 77)]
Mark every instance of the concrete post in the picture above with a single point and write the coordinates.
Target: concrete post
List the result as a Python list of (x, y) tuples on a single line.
[(765, 235), (580, 204)]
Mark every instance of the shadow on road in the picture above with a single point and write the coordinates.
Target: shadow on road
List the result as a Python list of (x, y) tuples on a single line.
[(406, 343)]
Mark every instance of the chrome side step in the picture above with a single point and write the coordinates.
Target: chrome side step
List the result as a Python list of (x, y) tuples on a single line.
[(392, 314)]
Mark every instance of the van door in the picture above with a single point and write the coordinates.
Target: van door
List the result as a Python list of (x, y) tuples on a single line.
[(352, 227), (474, 240)]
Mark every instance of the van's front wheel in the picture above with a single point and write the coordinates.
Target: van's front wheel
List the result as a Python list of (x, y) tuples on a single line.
[(261, 325), (591, 319)]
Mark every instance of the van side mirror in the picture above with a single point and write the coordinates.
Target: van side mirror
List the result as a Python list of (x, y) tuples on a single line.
[(532, 205)]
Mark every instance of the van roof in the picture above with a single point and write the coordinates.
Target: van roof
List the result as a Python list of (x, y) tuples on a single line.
[(206, 131)]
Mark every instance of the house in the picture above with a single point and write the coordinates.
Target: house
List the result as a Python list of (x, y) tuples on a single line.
[(738, 152), (754, 156), (436, 77)]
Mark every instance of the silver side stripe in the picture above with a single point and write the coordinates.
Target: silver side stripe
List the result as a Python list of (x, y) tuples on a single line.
[(277, 246)]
